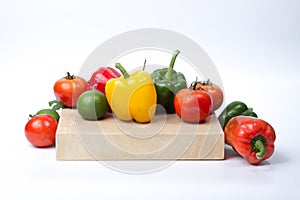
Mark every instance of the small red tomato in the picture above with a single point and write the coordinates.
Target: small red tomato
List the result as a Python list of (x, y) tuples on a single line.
[(40, 130), (193, 105), (214, 90), (68, 89)]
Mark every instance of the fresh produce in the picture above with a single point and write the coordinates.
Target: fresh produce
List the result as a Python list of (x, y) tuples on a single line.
[(68, 89), (48, 111), (100, 78), (132, 96), (40, 130), (233, 109), (92, 105), (213, 89), (193, 105), (167, 83), (56, 105), (251, 137)]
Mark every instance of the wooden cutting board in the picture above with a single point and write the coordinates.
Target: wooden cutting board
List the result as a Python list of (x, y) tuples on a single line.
[(165, 137)]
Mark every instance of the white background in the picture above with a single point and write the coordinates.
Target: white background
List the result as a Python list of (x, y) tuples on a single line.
[(254, 44)]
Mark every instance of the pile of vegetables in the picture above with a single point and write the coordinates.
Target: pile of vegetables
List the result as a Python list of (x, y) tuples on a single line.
[(135, 97)]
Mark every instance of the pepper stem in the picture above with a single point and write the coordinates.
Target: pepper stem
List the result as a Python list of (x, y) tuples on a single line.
[(122, 70), (261, 149), (144, 64), (94, 86), (168, 75)]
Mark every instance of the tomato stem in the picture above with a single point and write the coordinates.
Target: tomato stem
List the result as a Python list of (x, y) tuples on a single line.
[(194, 84), (56, 105), (208, 82), (30, 116), (69, 76)]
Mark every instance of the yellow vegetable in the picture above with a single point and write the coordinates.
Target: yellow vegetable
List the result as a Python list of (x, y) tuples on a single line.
[(132, 96)]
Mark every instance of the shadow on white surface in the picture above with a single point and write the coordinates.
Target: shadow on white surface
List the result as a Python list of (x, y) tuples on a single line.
[(230, 153), (276, 159)]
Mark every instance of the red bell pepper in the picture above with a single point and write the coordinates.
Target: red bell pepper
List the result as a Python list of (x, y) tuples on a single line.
[(251, 137), (100, 78)]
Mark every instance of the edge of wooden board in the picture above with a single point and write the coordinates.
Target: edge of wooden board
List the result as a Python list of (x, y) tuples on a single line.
[(165, 138)]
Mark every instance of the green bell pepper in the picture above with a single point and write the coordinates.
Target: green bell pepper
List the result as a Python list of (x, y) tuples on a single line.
[(167, 83), (233, 109)]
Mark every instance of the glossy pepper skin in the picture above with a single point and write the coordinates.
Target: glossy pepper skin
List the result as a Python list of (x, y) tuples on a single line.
[(167, 83), (251, 137), (132, 96), (100, 78), (233, 109)]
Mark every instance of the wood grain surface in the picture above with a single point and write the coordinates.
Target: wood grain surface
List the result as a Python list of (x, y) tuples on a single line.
[(165, 137)]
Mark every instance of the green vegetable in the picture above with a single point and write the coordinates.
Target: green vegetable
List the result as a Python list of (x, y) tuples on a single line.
[(47, 111), (92, 105), (233, 109), (167, 83)]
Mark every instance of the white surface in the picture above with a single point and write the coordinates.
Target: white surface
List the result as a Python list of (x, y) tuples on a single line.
[(254, 44)]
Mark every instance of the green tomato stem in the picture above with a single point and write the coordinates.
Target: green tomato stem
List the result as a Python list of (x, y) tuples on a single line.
[(168, 75), (56, 105), (122, 70)]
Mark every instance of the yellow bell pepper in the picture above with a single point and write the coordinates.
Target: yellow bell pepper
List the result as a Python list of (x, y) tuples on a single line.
[(132, 96)]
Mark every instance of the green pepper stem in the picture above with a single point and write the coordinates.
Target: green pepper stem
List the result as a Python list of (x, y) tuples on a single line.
[(262, 149), (168, 75), (122, 70)]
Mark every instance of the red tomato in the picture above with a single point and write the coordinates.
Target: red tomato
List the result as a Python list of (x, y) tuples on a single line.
[(214, 90), (40, 130), (68, 89), (193, 105)]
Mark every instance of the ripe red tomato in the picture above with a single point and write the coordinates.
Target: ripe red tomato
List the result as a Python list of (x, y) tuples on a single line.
[(68, 89), (214, 90), (193, 105), (40, 130)]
